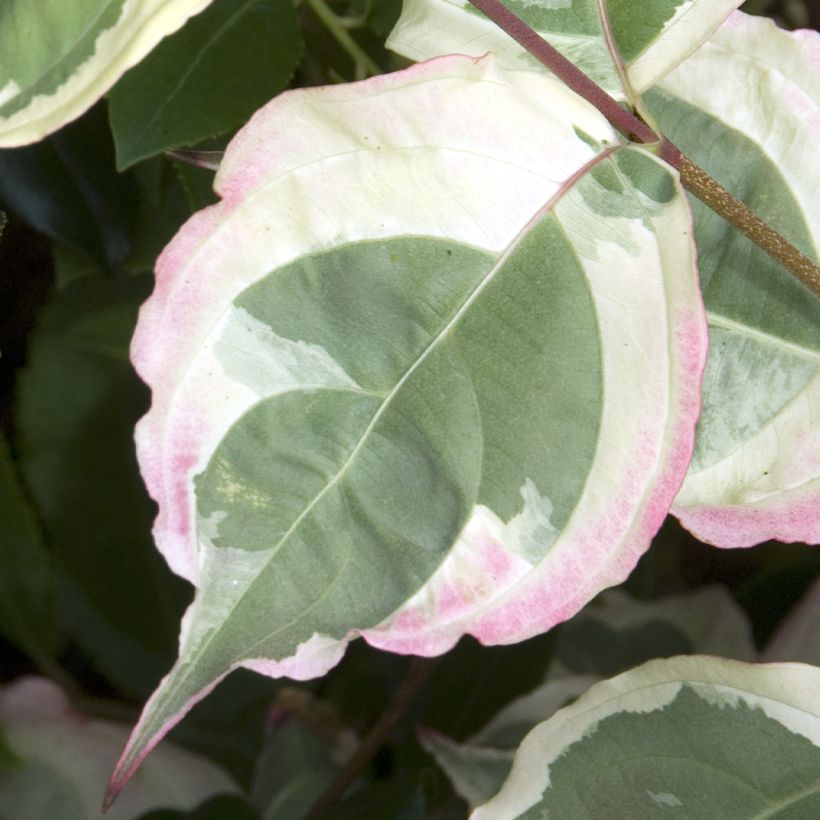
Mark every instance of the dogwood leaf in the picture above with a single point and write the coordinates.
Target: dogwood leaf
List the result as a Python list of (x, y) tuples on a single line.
[(57, 59), (479, 766), (651, 37), (705, 736), (403, 382), (755, 474)]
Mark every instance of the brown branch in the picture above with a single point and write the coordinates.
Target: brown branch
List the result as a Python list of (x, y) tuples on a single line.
[(419, 670), (693, 178), (710, 192), (626, 122)]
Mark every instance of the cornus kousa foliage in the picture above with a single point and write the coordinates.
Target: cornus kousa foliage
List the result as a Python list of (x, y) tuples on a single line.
[(447, 349), (414, 427)]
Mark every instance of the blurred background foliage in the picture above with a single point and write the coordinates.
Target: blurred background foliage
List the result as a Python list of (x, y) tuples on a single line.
[(95, 607)]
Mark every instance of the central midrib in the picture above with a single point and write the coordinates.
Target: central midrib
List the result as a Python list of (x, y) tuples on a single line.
[(431, 346)]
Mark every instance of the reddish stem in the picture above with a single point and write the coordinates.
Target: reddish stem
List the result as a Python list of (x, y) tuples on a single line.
[(694, 178)]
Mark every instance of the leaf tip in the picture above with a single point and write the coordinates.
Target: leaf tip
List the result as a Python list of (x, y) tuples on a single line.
[(125, 769), (108, 798)]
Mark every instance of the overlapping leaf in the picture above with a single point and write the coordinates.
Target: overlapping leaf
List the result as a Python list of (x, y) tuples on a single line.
[(57, 58), (617, 632), (66, 187), (650, 37), (744, 107), (76, 456), (706, 737), (240, 53), (756, 469), (390, 401), (607, 637)]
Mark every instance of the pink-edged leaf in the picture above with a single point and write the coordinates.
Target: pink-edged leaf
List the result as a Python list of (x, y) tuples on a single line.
[(747, 108), (429, 368)]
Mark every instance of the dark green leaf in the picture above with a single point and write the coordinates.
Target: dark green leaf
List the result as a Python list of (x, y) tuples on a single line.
[(229, 725), (383, 16), (163, 207), (71, 264), (198, 184), (302, 755), (66, 187), (394, 800), (207, 78), (590, 646), (473, 682), (26, 583), (221, 807), (78, 400), (8, 759)]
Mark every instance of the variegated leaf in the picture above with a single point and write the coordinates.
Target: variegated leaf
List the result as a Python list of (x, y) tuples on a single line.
[(684, 737), (700, 621), (650, 37), (745, 107), (390, 401), (57, 58)]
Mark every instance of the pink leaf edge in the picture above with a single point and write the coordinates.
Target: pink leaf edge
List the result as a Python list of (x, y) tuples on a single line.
[(534, 600), (791, 517)]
